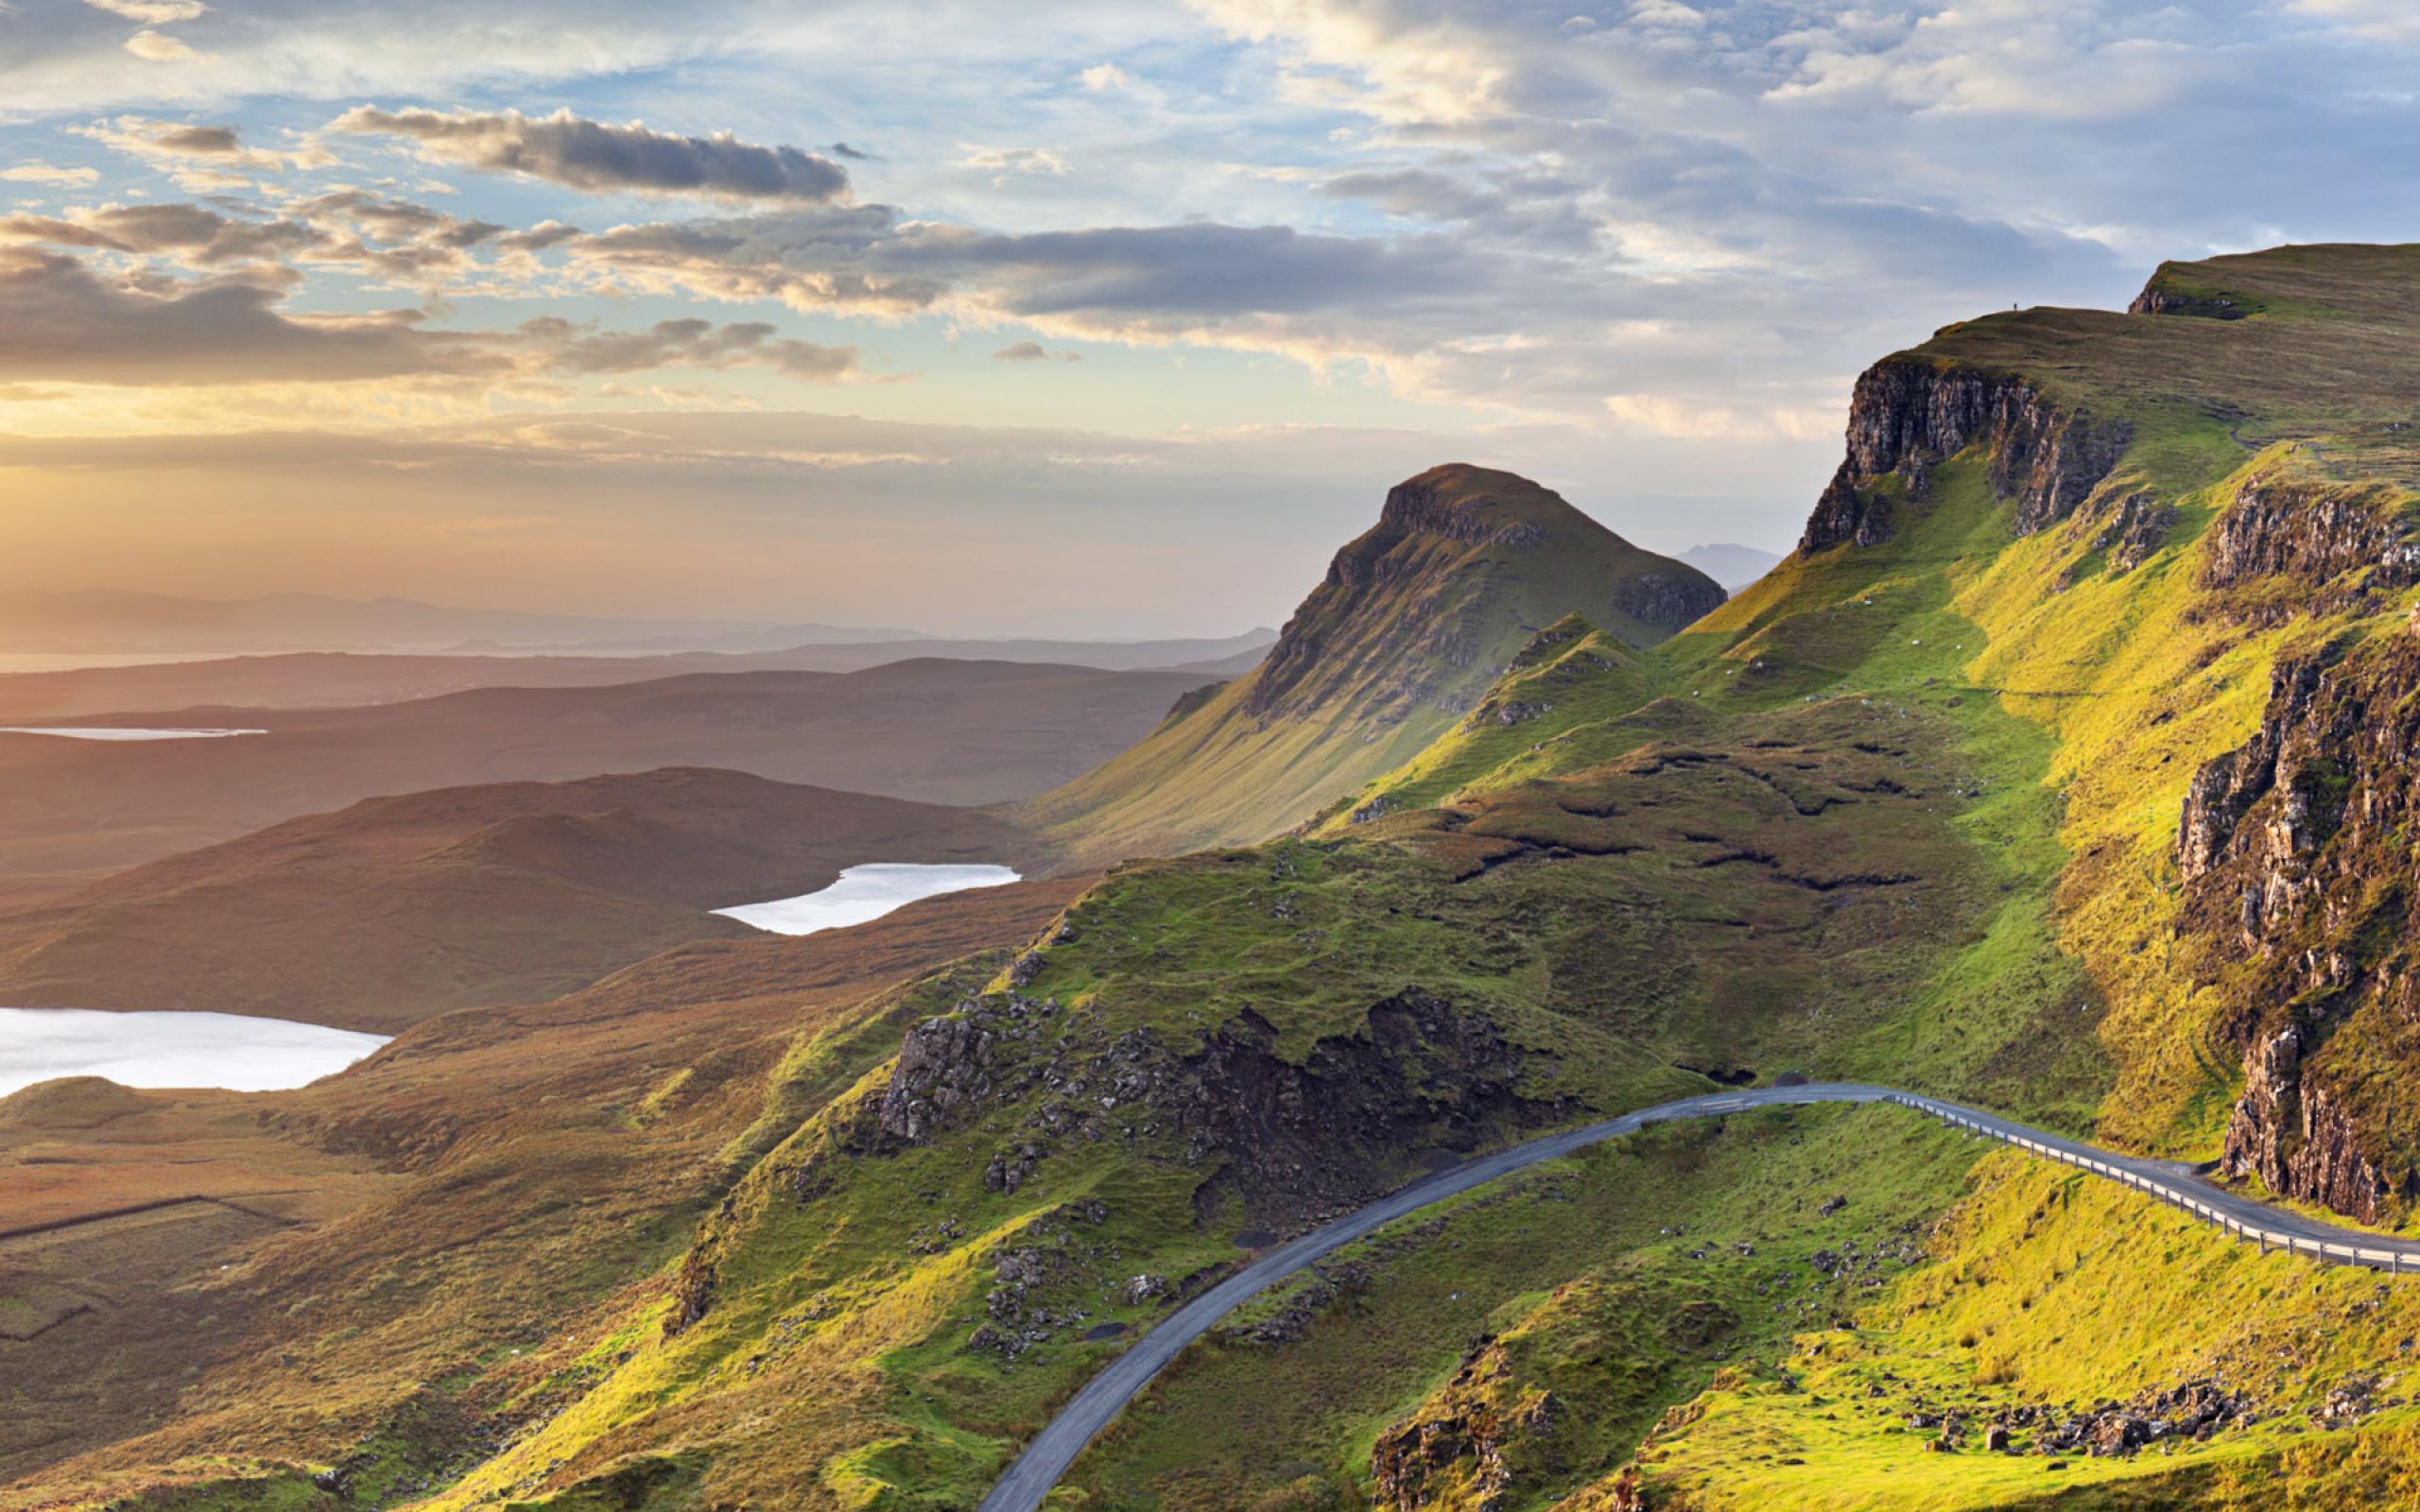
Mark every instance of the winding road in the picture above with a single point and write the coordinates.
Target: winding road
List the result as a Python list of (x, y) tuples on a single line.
[(2176, 1183)]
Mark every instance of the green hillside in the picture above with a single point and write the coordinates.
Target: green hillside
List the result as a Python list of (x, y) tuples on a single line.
[(2064, 770), (1410, 626)]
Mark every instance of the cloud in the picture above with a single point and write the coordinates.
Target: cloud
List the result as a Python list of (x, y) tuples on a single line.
[(842, 150), (392, 240), (45, 173), (1006, 164), (1033, 352), (179, 142), (159, 47), (199, 237), (1101, 78), (689, 343), (61, 321), (810, 260), (595, 157), (151, 13)]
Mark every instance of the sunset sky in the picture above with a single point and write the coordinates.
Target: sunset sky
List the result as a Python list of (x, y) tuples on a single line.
[(1087, 318)]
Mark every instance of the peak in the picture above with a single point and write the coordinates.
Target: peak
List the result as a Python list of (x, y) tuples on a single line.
[(1477, 505)]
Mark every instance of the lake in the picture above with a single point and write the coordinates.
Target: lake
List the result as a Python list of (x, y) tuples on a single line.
[(863, 893), (121, 732), (226, 1050)]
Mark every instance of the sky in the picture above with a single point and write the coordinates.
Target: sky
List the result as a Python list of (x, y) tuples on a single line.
[(1087, 318)]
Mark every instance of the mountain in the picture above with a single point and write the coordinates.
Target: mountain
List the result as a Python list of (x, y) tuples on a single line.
[(342, 679), (2061, 770), (1733, 566), (119, 622), (396, 909), (1414, 619), (935, 730)]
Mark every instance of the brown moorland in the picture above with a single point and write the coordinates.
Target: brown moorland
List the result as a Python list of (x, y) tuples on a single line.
[(395, 909), (934, 732), (263, 1266)]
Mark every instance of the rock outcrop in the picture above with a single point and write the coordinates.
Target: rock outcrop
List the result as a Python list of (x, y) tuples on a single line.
[(2284, 547), (1909, 413), (2167, 295), (2295, 852), (1671, 599), (1454, 1450)]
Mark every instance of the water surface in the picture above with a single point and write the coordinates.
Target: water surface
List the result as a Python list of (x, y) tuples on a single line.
[(228, 1050), (865, 893), (121, 732)]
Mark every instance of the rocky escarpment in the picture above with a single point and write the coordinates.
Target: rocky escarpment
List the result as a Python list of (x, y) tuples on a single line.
[(1292, 1141), (1286, 1143), (2166, 293), (2296, 854), (2287, 546), (1670, 600), (1909, 413)]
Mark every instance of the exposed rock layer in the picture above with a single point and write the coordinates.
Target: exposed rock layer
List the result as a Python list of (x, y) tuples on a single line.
[(2295, 852), (1909, 413)]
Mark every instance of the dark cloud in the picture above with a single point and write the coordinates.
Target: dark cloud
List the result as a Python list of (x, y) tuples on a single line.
[(601, 158), (842, 150), (61, 321), (688, 344)]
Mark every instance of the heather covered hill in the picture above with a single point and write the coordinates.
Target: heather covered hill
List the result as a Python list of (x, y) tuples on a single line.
[(336, 680), (930, 730), (1408, 629), (396, 909)]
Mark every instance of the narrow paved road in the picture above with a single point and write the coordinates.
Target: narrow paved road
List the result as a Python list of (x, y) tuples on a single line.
[(1056, 1447)]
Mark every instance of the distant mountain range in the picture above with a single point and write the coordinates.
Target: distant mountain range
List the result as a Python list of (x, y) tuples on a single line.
[(1732, 565), (113, 620)]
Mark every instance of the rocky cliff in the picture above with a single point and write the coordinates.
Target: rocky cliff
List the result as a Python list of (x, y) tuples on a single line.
[(2296, 854), (1910, 412)]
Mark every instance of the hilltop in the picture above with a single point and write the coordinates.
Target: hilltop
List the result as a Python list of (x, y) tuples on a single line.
[(396, 909), (1410, 625)]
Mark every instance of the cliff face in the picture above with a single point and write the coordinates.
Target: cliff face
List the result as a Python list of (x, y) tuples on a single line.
[(2295, 852), (2292, 546), (1909, 413)]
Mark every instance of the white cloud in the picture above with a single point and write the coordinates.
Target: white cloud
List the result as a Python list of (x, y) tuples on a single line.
[(151, 13), (45, 173), (159, 47), (1006, 164), (1105, 76)]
